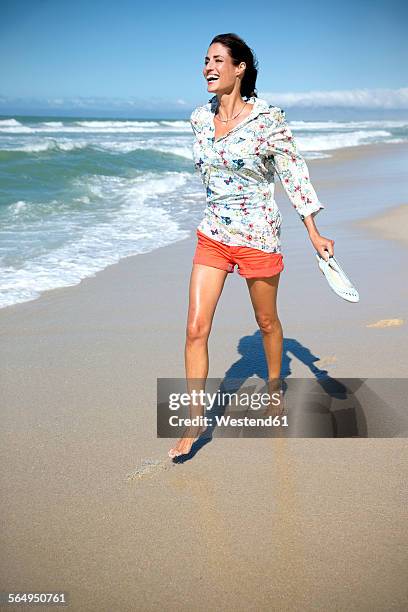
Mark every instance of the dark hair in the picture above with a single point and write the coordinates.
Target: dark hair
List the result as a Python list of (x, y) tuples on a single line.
[(240, 52)]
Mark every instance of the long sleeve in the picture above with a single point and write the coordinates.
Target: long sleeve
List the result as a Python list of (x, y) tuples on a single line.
[(194, 122), (290, 166)]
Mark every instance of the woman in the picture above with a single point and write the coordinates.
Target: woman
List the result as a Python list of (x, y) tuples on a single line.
[(239, 146)]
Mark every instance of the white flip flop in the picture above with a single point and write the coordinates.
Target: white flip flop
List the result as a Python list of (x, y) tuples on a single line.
[(337, 278)]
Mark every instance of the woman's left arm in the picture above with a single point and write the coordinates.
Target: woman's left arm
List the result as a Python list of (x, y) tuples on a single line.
[(294, 175), (320, 243)]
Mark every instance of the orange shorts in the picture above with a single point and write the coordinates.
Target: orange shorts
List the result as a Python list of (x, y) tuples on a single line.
[(252, 263)]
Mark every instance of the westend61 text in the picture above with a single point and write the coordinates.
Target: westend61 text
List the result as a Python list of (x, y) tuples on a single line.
[(228, 421)]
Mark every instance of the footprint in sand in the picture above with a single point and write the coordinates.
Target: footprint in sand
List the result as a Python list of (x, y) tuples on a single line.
[(386, 323), (148, 468)]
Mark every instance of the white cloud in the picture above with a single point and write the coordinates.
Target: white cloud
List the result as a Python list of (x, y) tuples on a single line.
[(55, 101), (355, 98)]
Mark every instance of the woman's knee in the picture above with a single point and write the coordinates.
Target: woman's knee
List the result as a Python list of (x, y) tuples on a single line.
[(198, 331), (268, 323)]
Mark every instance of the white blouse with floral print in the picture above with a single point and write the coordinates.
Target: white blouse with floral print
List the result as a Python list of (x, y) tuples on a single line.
[(238, 172)]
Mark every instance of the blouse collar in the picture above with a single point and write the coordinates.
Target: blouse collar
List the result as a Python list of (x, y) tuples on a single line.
[(260, 106)]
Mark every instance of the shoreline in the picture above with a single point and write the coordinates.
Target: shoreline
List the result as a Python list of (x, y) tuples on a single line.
[(112, 300), (368, 149)]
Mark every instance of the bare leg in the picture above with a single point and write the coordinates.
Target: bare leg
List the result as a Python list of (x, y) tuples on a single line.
[(263, 292), (206, 285)]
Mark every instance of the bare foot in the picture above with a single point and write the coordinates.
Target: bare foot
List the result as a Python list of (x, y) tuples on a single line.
[(276, 407), (183, 446)]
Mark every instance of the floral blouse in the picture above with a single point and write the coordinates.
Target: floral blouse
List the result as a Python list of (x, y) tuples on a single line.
[(238, 171)]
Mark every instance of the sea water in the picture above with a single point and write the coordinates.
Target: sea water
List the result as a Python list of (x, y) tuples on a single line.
[(79, 194)]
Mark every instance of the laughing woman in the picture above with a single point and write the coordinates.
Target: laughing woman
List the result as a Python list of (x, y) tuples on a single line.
[(239, 145)]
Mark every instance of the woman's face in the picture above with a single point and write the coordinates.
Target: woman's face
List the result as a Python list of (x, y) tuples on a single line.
[(218, 63)]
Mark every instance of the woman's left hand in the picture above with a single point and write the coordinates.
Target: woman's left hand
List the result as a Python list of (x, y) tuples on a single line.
[(322, 245)]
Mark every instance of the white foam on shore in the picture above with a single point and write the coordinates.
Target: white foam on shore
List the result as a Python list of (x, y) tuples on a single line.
[(116, 218)]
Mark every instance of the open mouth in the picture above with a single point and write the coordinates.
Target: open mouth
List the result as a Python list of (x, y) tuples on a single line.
[(212, 79)]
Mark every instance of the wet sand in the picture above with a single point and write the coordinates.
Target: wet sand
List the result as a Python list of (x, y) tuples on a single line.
[(92, 506)]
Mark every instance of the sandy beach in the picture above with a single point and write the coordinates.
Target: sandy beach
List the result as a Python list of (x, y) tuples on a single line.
[(391, 225), (284, 524)]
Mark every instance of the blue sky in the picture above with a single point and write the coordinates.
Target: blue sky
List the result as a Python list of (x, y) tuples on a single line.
[(146, 58)]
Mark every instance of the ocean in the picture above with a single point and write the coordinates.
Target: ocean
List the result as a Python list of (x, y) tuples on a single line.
[(79, 194)]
